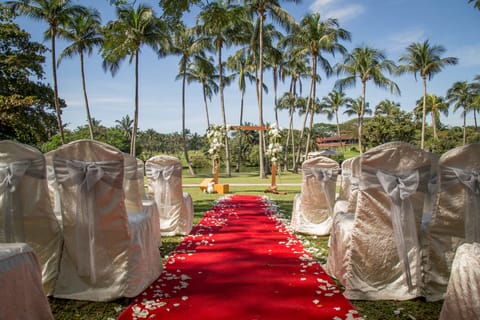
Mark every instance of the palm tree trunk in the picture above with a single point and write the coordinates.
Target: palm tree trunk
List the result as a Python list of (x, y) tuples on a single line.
[(239, 160), (464, 125), (434, 125), (360, 119), (184, 133), (424, 112), (302, 131), (261, 142), (222, 106), (85, 97), (56, 103), (275, 83), (206, 105), (135, 116)]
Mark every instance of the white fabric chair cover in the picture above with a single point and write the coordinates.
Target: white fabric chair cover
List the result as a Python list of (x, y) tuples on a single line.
[(135, 193), (108, 253), (313, 207), (382, 258), (463, 291), (26, 213), (455, 217), (164, 176), (344, 212), (21, 291), (348, 198)]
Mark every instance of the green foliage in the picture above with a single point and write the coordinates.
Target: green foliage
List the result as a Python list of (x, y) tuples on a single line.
[(395, 127), (26, 110)]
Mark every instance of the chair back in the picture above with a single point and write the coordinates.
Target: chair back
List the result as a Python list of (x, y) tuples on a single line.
[(26, 213)]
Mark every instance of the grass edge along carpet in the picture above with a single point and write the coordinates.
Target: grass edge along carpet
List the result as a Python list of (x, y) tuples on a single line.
[(241, 262)]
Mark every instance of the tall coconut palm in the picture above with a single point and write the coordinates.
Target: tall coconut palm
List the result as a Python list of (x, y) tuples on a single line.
[(56, 13), (460, 95), (332, 102), (263, 8), (387, 107), (125, 36), (424, 59), (220, 21), (187, 45), (292, 103), (84, 33), (238, 63), (358, 108), (314, 37), (366, 63), (435, 106), (202, 70)]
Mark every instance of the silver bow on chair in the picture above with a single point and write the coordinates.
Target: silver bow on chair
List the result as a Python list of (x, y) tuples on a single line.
[(323, 176), (86, 175), (10, 176), (399, 187), (471, 180)]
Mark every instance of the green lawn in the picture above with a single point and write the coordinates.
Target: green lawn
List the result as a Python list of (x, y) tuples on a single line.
[(252, 184)]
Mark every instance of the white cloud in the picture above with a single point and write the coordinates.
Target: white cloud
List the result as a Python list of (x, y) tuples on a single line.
[(337, 10)]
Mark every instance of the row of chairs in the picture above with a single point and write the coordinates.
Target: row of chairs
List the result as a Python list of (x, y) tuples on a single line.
[(95, 235), (398, 220)]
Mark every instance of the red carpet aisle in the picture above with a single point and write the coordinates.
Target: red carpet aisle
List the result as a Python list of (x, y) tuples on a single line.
[(239, 263)]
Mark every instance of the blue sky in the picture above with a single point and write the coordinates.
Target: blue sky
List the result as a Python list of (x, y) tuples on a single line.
[(389, 25)]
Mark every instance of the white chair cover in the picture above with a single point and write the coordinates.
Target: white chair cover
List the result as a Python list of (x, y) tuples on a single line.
[(344, 212), (348, 198), (313, 207), (107, 253), (26, 213), (463, 291), (455, 217), (135, 193), (164, 175), (382, 258), (21, 292)]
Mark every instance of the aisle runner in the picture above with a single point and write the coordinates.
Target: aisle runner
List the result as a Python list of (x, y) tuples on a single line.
[(240, 262)]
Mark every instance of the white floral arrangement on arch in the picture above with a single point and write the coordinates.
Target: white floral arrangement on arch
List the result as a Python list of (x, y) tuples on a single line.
[(274, 147), (216, 136)]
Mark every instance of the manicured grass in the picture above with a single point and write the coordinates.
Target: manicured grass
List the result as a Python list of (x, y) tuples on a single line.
[(317, 246)]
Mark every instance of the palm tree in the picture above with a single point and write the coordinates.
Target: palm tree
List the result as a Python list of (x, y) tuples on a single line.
[(359, 108), (56, 13), (292, 103), (435, 106), (220, 22), (424, 59), (125, 124), (187, 45), (312, 37), (84, 32), (262, 8), (387, 107), (476, 3), (460, 95), (332, 102), (125, 36), (476, 98), (367, 64), (202, 70), (238, 63)]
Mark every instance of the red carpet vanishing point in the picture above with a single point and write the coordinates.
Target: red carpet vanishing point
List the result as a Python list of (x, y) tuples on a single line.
[(241, 262)]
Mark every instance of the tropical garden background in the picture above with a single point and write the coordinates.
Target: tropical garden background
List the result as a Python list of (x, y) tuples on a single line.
[(261, 37)]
